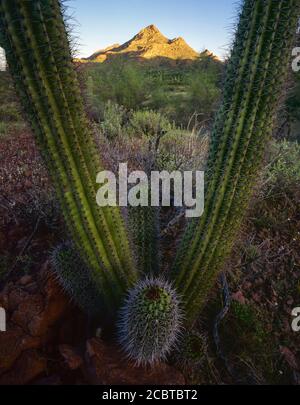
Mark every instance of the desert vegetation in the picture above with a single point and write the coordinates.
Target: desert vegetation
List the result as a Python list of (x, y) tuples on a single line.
[(161, 287)]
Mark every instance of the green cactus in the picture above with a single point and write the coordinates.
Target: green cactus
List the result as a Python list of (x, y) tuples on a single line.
[(192, 350), (37, 48), (150, 321), (74, 276), (255, 75), (144, 229)]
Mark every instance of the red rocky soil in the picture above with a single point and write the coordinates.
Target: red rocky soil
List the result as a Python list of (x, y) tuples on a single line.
[(39, 345)]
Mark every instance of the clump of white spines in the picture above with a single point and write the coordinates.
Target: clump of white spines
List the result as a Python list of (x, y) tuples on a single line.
[(192, 351), (150, 321), (74, 276)]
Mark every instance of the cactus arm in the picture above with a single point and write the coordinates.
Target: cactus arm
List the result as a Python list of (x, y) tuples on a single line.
[(32, 33), (245, 174), (143, 224), (236, 153), (219, 144), (244, 126), (112, 216)]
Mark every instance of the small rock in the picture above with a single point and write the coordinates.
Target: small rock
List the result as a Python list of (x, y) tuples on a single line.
[(25, 280), (73, 359)]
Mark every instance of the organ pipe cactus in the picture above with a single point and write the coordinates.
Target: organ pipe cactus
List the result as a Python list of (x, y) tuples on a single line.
[(255, 75), (38, 54)]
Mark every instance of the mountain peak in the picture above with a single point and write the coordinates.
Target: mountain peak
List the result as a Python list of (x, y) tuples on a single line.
[(148, 44), (150, 34), (151, 28)]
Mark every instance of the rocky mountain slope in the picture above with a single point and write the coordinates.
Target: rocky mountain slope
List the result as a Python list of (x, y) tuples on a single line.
[(148, 44)]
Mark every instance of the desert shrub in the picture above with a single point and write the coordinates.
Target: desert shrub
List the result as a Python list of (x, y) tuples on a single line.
[(114, 117), (3, 129), (11, 119), (184, 150), (149, 123), (8, 128), (248, 322), (124, 84), (9, 112), (284, 165), (178, 94), (203, 93)]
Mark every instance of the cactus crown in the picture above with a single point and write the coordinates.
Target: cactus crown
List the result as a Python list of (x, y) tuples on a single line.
[(150, 321)]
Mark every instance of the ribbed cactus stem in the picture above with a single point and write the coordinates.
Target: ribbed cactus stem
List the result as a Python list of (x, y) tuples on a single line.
[(37, 49), (255, 75), (144, 229)]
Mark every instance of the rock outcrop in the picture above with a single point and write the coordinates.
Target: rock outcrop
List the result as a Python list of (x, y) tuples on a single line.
[(148, 44)]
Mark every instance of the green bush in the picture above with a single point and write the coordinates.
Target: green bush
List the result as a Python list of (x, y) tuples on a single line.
[(3, 129), (7, 128), (284, 166), (124, 84), (178, 94), (114, 117), (203, 93), (10, 112), (149, 124), (182, 149)]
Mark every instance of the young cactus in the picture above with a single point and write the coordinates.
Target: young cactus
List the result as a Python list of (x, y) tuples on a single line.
[(37, 48), (255, 75), (192, 350), (150, 321), (74, 276)]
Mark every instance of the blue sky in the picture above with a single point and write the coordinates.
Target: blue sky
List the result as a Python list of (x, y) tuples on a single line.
[(202, 23)]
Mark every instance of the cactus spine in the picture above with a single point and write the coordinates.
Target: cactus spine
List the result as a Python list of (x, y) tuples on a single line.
[(150, 321), (37, 49), (254, 80), (192, 350), (74, 276)]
